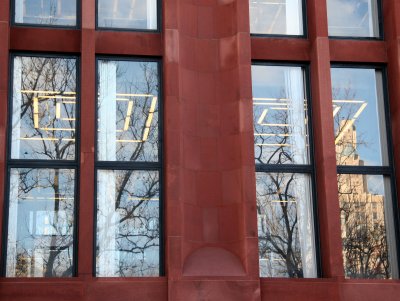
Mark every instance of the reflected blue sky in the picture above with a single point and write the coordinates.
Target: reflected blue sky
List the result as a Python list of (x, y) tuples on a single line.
[(361, 85)]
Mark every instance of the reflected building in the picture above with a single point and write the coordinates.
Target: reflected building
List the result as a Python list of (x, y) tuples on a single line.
[(362, 206)]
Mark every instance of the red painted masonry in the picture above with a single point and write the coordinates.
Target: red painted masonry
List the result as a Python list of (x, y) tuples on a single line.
[(210, 219)]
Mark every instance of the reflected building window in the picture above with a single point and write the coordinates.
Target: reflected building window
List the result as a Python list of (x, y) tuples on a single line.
[(127, 14), (128, 169), (366, 203), (284, 199), (276, 17), (353, 18), (45, 12), (42, 167)]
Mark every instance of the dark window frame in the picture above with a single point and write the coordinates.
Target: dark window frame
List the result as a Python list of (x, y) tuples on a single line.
[(34, 25), (123, 29), (43, 164), (385, 171), (308, 169), (133, 166)]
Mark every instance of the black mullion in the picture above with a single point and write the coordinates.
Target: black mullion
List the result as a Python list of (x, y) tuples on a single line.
[(365, 170), (6, 208), (120, 165), (313, 173), (389, 139), (283, 168), (161, 212), (41, 164)]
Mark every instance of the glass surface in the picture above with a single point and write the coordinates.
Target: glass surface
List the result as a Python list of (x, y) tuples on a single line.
[(353, 18), (41, 223), (128, 230), (367, 226), (128, 107), (128, 14), (45, 12), (280, 115), (285, 225), (279, 17), (359, 117), (43, 108)]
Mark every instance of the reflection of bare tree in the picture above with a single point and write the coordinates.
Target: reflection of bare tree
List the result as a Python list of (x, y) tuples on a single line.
[(272, 142), (363, 229), (42, 200), (278, 224), (147, 147), (47, 108), (136, 116), (280, 139), (364, 239), (45, 240), (139, 228), (130, 230)]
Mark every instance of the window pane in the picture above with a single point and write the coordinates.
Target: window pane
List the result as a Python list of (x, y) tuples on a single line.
[(43, 108), (41, 223), (353, 18), (280, 17), (46, 12), (280, 115), (128, 107), (128, 230), (367, 226), (359, 117), (129, 14), (285, 225)]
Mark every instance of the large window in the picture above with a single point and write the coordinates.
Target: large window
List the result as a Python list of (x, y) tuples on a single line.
[(127, 14), (45, 12), (365, 173), (284, 172), (128, 169), (276, 17), (42, 167), (353, 18)]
